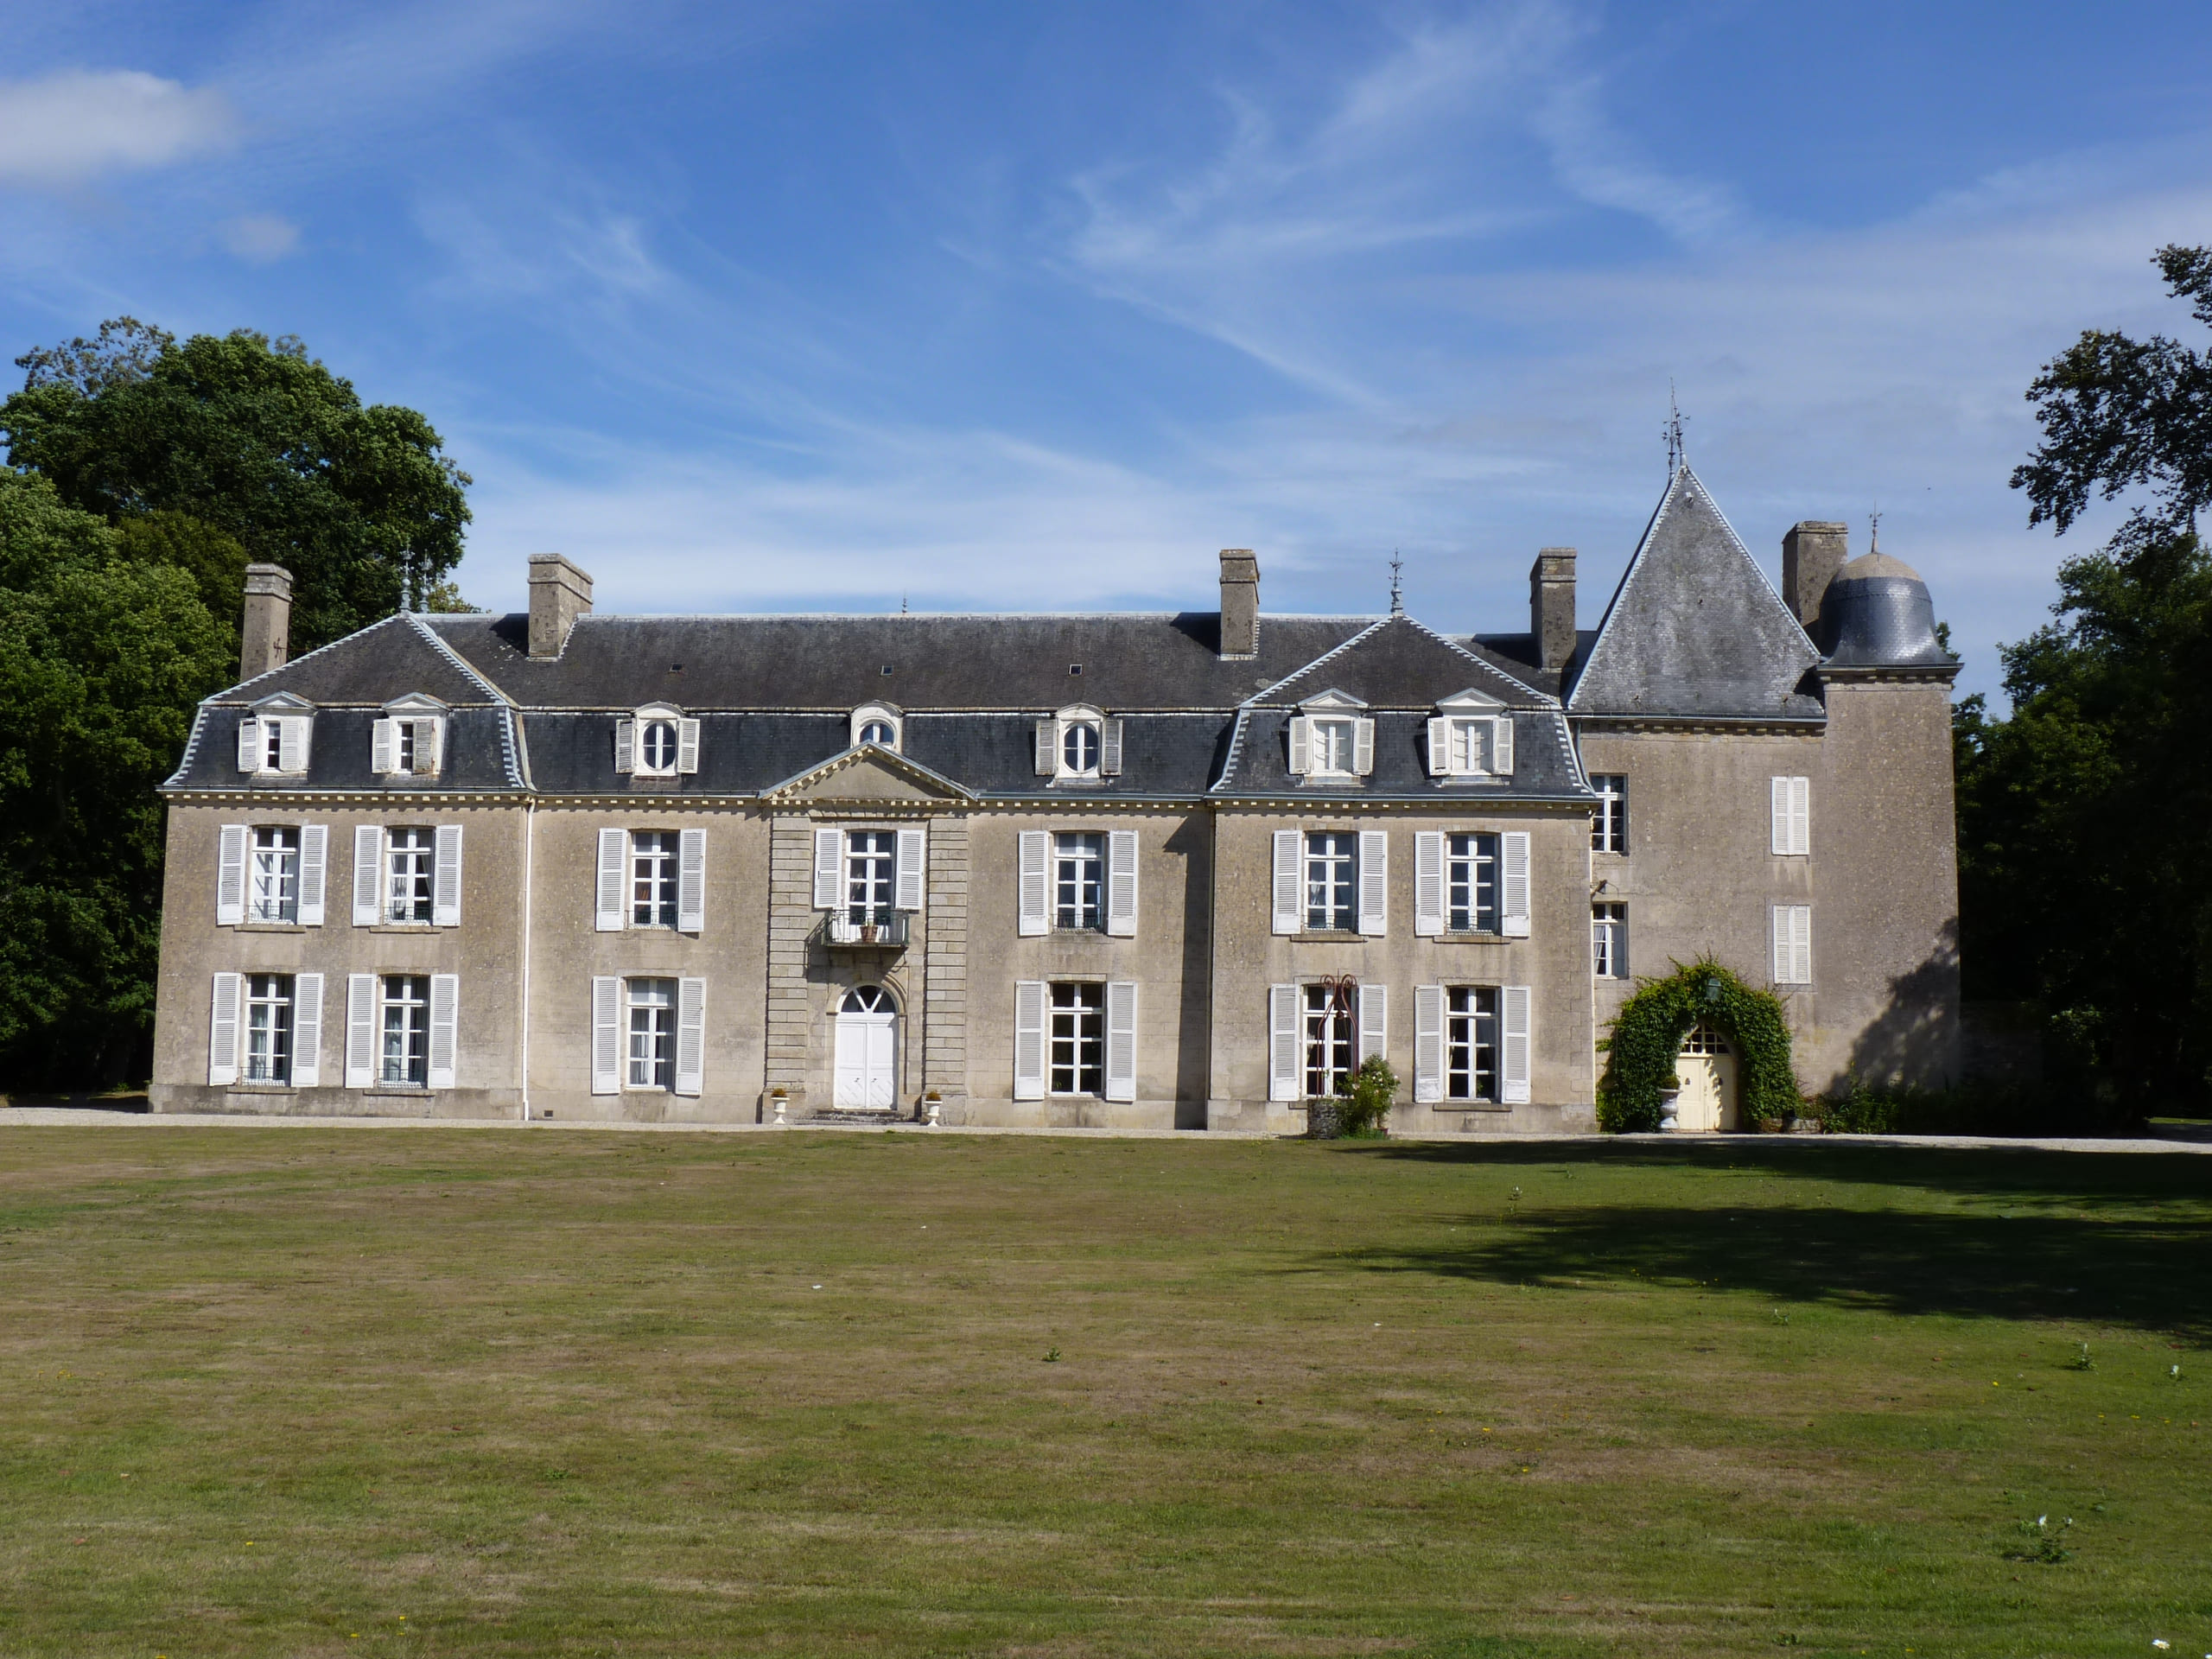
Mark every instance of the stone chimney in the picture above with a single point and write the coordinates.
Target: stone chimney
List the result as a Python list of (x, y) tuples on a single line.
[(559, 593), (265, 636), (1240, 602), (1811, 552), (1551, 606)]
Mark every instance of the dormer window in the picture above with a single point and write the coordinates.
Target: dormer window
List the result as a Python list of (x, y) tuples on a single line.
[(657, 742), (408, 739), (1471, 737), (1331, 740), (878, 723), (1079, 745), (273, 740)]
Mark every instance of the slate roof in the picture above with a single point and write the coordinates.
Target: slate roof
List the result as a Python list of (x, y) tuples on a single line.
[(481, 753), (1544, 767), (1397, 663), (1695, 629)]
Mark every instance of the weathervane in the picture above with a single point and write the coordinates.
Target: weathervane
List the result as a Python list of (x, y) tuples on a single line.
[(1397, 584), (1874, 530), (1677, 452)]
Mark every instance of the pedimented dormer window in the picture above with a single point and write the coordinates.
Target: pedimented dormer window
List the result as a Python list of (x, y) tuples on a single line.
[(879, 723), (657, 741), (275, 736), (1079, 745), (1331, 739), (408, 739), (1471, 737)]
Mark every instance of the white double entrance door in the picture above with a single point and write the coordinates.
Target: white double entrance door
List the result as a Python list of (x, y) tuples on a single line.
[(866, 1073)]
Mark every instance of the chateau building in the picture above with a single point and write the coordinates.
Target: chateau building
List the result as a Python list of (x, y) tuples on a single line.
[(1119, 870)]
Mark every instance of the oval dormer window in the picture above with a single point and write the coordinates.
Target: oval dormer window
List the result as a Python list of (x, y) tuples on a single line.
[(879, 731), (657, 745), (1079, 747)]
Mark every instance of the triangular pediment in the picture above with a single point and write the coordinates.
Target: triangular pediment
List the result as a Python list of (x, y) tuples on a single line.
[(1469, 702), (868, 774), (282, 702), (1332, 699)]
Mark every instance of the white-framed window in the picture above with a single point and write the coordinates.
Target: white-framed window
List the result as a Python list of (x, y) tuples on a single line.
[(1793, 945), (878, 723), (1789, 805), (274, 739), (1078, 1039), (1470, 1042), (1328, 1037), (1079, 881), (652, 878), (273, 890), (657, 742), (404, 1022), (1331, 881), (268, 1011), (866, 875), (1471, 736), (1079, 744), (1609, 941), (1079, 749), (408, 739), (871, 869), (650, 1058), (411, 869), (1609, 818), (1331, 740), (1471, 883)]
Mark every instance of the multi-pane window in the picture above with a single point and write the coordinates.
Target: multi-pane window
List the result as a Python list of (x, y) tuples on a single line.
[(1609, 821), (880, 733), (274, 893), (403, 738), (1609, 941), (870, 855), (652, 879), (657, 746), (406, 1026), (651, 1033), (1077, 1057), (1078, 879), (1470, 1043), (1471, 884), (1330, 747), (1331, 881), (268, 1028), (411, 861), (272, 734), (1079, 749), (1328, 1038), (1467, 745)]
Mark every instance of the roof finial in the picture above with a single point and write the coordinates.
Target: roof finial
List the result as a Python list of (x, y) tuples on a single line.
[(902, 602), (1677, 452), (1397, 584), (1874, 529)]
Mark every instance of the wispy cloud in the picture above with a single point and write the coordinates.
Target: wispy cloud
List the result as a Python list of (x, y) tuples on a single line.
[(74, 126), (259, 239), (1605, 170)]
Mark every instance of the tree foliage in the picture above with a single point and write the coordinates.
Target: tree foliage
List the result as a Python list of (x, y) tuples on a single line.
[(1646, 1035), (260, 444)]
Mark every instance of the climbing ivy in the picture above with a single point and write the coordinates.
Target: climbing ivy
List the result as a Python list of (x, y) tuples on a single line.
[(1646, 1035)]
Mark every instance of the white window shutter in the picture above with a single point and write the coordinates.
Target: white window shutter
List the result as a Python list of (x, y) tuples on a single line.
[(230, 874), (1513, 1066), (1801, 942), (292, 744), (613, 879), (1429, 883), (445, 878), (1302, 746), (251, 751), (1440, 747), (1048, 748), (314, 872), (626, 746), (1778, 925), (1284, 1081), (445, 1016), (360, 1030), (1374, 882), (690, 1037), (1363, 746), (383, 745), (1289, 888), (1514, 855), (1374, 1022), (429, 747), (1801, 816), (829, 868), (1501, 745), (306, 1031), (1428, 1043), (223, 1031), (686, 745), (1033, 885), (1121, 1039), (1779, 814), (912, 869), (606, 1036), (691, 882), (368, 875), (1029, 1040), (1122, 883), (1109, 749)]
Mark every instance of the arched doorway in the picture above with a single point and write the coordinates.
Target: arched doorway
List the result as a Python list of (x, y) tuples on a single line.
[(867, 1075), (1706, 1066)]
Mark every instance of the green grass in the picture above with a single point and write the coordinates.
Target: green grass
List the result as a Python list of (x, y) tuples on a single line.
[(304, 1392)]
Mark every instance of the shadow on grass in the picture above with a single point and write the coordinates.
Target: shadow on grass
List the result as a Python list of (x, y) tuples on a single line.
[(2148, 1274)]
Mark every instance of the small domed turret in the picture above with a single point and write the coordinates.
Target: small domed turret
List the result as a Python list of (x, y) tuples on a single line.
[(1876, 614)]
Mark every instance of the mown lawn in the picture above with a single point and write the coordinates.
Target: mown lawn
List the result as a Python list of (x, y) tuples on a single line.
[(296, 1391)]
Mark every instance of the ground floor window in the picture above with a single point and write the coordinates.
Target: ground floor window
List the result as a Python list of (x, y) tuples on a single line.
[(1470, 1043), (1078, 1039), (1609, 941), (1328, 1037), (653, 1033), (268, 1028), (406, 1030)]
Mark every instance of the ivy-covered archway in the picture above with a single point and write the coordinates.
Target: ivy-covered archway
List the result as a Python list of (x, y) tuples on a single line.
[(1641, 1045)]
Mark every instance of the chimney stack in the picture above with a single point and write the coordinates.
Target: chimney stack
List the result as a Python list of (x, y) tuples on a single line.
[(265, 636), (1812, 553), (1240, 602), (559, 593), (1551, 607)]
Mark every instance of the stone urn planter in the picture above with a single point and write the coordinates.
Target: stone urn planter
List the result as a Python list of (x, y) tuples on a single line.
[(1670, 1111)]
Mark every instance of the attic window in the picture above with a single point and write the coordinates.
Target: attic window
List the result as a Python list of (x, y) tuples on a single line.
[(1075, 668), (1471, 737), (886, 668), (1331, 740), (1079, 745), (878, 723), (408, 739), (657, 741)]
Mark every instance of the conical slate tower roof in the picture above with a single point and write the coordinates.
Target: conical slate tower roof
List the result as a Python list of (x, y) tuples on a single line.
[(1695, 629)]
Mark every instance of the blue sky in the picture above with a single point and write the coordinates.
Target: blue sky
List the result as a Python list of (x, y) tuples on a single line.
[(808, 306)]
